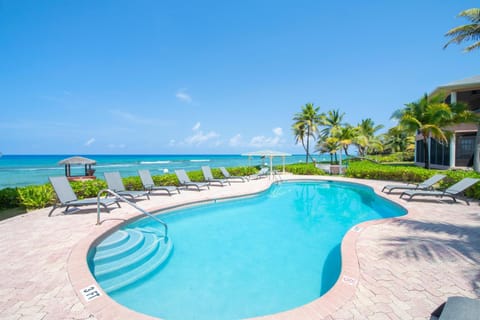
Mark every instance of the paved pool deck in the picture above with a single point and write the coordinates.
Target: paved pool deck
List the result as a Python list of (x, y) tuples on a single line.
[(400, 268)]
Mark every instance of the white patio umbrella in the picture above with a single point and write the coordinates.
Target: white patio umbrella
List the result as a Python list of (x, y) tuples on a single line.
[(270, 154)]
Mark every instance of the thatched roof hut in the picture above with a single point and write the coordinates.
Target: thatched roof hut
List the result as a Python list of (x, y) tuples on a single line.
[(77, 160)]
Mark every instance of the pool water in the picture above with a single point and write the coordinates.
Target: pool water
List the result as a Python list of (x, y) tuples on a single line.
[(253, 256)]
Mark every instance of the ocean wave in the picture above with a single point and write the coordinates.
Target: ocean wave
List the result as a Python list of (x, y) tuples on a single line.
[(34, 169), (155, 162), (115, 165), (200, 160)]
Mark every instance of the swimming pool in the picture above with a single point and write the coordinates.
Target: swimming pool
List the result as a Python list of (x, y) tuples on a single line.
[(239, 258)]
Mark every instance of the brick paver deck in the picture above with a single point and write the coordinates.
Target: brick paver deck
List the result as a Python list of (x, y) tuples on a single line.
[(393, 269)]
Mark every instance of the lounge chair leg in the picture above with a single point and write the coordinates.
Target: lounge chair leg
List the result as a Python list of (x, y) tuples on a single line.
[(106, 207), (53, 209)]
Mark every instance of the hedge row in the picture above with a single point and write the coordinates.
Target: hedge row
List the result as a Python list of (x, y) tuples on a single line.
[(403, 173), (40, 196)]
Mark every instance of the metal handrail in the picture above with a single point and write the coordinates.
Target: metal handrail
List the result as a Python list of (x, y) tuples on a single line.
[(109, 191)]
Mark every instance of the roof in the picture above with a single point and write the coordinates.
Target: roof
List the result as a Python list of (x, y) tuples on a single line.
[(266, 153), (467, 83), (77, 160)]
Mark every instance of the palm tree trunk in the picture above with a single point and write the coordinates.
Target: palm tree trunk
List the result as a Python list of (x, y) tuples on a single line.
[(308, 145)]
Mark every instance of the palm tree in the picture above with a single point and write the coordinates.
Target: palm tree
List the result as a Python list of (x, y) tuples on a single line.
[(468, 32), (332, 122), (398, 140), (329, 145), (430, 116), (346, 135), (365, 138), (306, 126)]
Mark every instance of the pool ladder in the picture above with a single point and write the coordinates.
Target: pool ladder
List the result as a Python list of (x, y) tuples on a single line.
[(148, 214)]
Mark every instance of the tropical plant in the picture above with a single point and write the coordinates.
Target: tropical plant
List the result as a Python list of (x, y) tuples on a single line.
[(329, 145), (34, 197), (346, 135), (430, 116), (467, 32), (333, 122), (306, 126), (398, 140), (365, 138)]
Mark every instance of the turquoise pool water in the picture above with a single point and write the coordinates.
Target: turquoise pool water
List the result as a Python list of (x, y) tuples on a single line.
[(247, 257)]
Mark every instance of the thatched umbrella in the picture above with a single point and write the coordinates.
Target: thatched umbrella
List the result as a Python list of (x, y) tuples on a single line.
[(77, 160)]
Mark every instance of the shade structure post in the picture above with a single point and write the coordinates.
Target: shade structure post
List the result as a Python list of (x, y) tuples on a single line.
[(271, 166)]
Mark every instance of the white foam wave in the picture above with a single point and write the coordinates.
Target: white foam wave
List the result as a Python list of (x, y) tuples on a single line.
[(36, 169), (155, 162), (200, 160), (115, 165)]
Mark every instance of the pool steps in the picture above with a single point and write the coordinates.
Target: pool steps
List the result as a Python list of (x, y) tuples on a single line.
[(129, 255)]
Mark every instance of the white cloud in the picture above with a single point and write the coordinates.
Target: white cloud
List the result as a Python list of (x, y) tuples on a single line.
[(89, 142), (183, 96), (235, 140), (278, 131), (262, 141), (196, 126), (172, 142), (199, 137)]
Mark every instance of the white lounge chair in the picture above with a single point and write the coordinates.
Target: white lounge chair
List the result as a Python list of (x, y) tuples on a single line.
[(115, 183), (425, 185), (230, 177), (67, 197), (260, 174), (185, 181), (207, 173), (150, 186), (453, 192)]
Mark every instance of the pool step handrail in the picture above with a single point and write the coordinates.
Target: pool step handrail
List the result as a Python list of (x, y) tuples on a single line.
[(148, 214)]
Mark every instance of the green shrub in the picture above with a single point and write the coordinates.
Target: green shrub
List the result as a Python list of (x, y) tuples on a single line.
[(369, 170), (9, 198), (88, 188), (132, 183), (302, 169), (393, 157), (35, 197), (165, 180)]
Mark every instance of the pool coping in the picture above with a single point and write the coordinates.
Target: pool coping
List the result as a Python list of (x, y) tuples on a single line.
[(104, 307)]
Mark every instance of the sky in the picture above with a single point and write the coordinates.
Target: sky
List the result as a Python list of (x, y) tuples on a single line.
[(212, 77)]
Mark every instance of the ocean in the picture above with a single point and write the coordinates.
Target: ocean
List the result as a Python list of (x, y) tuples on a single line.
[(23, 170)]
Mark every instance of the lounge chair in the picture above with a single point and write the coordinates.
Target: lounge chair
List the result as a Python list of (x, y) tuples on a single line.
[(260, 174), (207, 173), (150, 186), (453, 191), (185, 181), (67, 197), (425, 185), (230, 177), (115, 183), (458, 308)]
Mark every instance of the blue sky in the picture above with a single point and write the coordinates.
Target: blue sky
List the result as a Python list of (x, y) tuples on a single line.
[(166, 77)]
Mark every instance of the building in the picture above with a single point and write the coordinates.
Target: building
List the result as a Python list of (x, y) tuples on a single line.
[(460, 150)]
